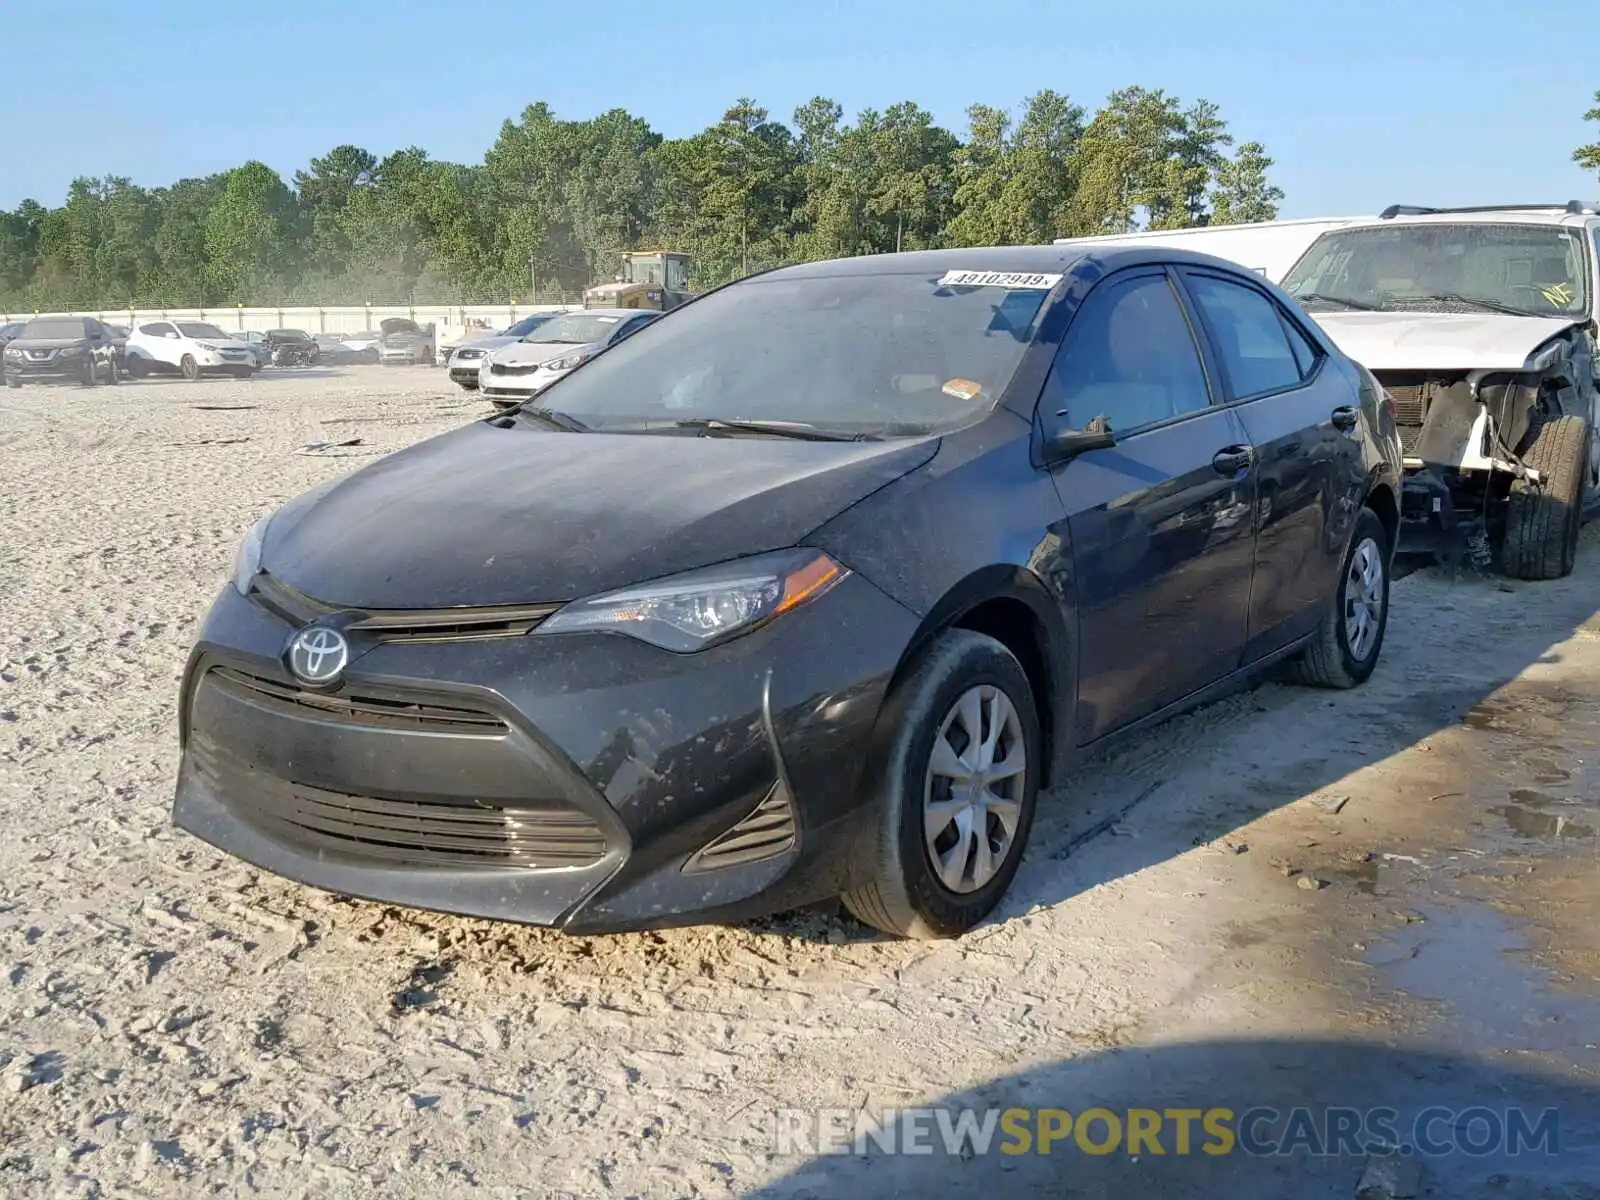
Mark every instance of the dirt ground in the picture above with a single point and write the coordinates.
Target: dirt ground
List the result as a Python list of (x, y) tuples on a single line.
[(1387, 896)]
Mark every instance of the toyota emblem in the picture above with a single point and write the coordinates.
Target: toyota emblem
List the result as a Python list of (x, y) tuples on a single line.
[(318, 655)]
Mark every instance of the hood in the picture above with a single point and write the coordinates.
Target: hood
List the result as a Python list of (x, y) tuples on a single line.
[(520, 353), (38, 343), (1383, 341), (487, 344), (588, 348), (484, 515)]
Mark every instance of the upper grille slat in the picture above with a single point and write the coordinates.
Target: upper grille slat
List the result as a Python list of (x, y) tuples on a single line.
[(360, 709), (406, 625)]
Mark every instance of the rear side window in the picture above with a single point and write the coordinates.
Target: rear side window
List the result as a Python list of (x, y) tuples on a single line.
[(1249, 336), (1129, 357), (1305, 351)]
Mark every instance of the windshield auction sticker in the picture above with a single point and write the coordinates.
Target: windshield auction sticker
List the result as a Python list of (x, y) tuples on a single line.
[(1002, 279)]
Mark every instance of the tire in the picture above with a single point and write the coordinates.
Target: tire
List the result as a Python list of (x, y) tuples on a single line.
[(90, 376), (1340, 657), (114, 376), (1543, 519), (12, 382), (189, 368), (136, 367), (930, 705)]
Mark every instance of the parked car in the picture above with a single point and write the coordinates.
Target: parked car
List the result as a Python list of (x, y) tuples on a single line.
[(530, 364), (464, 360), (119, 342), (188, 348), (9, 331), (1480, 324), (361, 347), (405, 343), (61, 350), (291, 348), (807, 590)]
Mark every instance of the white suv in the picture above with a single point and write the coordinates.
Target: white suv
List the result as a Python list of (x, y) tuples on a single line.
[(187, 348), (1481, 325)]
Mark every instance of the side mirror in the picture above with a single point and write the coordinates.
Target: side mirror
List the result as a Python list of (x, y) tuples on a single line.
[(1068, 443)]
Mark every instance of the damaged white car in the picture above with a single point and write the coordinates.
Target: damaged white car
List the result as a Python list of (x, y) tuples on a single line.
[(1481, 324)]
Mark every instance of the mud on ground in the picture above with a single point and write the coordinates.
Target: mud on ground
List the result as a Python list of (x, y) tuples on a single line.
[(1289, 894)]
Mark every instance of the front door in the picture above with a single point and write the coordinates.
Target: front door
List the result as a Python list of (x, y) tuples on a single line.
[(1161, 525)]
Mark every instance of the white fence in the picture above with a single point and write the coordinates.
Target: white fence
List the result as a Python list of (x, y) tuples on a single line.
[(344, 319)]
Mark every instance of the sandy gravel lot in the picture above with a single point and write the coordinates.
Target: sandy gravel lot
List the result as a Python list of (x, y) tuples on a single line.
[(1288, 897)]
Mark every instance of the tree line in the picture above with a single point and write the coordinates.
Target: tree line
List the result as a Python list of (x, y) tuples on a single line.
[(554, 201)]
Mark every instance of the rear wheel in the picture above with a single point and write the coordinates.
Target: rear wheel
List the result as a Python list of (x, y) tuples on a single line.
[(190, 368), (1543, 519), (955, 786), (1348, 642)]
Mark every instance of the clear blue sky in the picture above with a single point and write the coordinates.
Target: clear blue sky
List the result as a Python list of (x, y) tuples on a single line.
[(1361, 103)]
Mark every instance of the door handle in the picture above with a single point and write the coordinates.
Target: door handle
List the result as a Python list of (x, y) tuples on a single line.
[(1233, 459), (1344, 417)]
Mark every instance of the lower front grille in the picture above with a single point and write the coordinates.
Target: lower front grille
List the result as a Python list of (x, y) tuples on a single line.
[(424, 833), (767, 832), (357, 708)]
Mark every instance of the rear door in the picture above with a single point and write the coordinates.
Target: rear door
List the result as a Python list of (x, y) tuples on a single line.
[(1160, 524), (1299, 411)]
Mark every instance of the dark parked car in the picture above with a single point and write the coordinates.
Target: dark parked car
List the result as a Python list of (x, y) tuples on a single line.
[(62, 350), (805, 590), (291, 348)]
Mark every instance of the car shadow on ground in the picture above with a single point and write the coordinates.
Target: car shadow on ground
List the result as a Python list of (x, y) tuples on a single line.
[(1308, 1119), (1431, 676)]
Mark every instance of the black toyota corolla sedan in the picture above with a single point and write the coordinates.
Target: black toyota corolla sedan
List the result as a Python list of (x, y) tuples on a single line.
[(805, 591)]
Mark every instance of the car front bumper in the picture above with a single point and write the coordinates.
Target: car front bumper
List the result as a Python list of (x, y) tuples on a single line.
[(584, 781), (56, 371)]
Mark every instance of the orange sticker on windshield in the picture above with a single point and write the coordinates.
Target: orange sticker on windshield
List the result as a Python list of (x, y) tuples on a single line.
[(964, 389)]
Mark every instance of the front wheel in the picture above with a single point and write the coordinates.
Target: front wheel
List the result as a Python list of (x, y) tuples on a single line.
[(1346, 647), (955, 785), (1543, 519), (13, 382), (190, 368)]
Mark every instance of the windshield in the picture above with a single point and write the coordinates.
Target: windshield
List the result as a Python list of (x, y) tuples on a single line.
[(527, 325), (199, 329), (1537, 270), (575, 327), (290, 335), (868, 354), (53, 327)]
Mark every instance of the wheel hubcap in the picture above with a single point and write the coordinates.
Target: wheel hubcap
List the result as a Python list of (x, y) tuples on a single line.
[(1363, 599), (972, 797)]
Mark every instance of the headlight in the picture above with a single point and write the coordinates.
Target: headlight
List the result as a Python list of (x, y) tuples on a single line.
[(13, 352), (247, 561), (71, 352), (565, 364), (701, 608), (207, 346)]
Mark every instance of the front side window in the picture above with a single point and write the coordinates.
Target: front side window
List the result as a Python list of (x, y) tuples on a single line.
[(1523, 270), (874, 354), (1129, 358), (1248, 334)]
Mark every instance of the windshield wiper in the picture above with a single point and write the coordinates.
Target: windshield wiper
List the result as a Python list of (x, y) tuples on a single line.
[(789, 429), (1482, 302), (1345, 301), (550, 416)]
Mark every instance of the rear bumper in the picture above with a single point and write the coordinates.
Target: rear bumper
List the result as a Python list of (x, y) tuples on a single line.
[(589, 773)]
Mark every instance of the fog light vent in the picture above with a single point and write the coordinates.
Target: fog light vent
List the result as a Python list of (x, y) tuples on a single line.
[(766, 833)]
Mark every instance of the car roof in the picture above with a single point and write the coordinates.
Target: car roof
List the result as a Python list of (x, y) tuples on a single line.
[(606, 312), (1531, 215), (1041, 260)]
